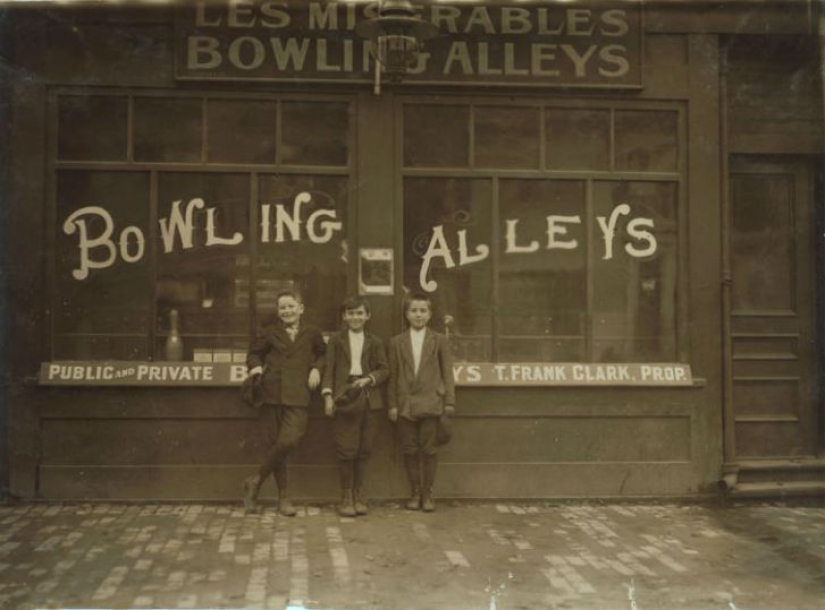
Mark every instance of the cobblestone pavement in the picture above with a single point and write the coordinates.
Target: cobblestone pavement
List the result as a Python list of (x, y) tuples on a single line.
[(491, 556)]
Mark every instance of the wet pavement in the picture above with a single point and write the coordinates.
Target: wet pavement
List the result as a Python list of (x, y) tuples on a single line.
[(465, 555)]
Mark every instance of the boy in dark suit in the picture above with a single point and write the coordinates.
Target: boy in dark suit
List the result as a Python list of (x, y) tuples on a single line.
[(421, 389), (289, 357), (356, 365)]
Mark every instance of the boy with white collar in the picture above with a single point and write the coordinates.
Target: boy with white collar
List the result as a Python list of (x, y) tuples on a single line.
[(421, 390), (356, 367)]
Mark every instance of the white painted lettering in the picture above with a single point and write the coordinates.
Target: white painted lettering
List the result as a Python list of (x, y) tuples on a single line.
[(323, 16), (515, 20), (212, 239), (480, 18), (240, 15), (554, 230), (288, 55), (579, 61), (178, 225), (616, 20), (291, 222), (646, 236), (139, 241), (541, 53), (437, 248), (274, 17), (609, 228), (458, 54), (614, 54), (464, 258), (510, 245), (258, 53), (75, 222), (328, 227), (202, 54)]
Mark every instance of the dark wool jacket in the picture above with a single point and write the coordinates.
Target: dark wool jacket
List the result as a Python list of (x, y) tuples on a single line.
[(427, 393), (286, 363), (373, 363)]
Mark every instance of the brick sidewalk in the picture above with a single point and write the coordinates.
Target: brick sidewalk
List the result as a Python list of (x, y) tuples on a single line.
[(491, 556)]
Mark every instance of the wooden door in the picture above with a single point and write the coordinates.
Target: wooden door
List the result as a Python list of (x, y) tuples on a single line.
[(773, 310)]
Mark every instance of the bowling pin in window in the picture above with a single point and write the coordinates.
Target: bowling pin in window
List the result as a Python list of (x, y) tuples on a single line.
[(174, 344)]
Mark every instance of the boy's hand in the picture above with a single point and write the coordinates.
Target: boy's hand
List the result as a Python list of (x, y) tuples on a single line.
[(449, 410), (314, 379), (393, 414), (362, 382), (329, 405)]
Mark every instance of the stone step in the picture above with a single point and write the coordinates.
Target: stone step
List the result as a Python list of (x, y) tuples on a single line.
[(781, 471), (778, 489)]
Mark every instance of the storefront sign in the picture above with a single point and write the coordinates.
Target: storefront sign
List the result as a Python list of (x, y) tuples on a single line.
[(572, 374), (102, 242), (124, 373), (560, 44), (103, 373), (108, 243), (639, 242)]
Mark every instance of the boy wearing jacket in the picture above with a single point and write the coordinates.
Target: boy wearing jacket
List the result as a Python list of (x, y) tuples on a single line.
[(421, 389), (288, 355), (356, 368)]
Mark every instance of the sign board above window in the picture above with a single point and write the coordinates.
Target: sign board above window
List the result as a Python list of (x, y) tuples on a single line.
[(569, 44), (125, 373)]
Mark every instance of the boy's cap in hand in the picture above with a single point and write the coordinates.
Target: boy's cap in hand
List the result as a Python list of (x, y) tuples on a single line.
[(350, 394)]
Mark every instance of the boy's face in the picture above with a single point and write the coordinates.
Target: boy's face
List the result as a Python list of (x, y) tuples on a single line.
[(290, 310), (418, 314), (355, 319)]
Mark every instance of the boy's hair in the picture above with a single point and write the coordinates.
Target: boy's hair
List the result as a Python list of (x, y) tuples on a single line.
[(354, 302), (288, 293), (417, 296)]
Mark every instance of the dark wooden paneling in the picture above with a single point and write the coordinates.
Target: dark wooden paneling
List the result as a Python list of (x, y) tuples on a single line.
[(203, 441), (565, 439), (766, 397), (765, 368), (770, 439), (94, 53), (766, 347), (666, 66), (319, 483), (774, 95), (743, 16)]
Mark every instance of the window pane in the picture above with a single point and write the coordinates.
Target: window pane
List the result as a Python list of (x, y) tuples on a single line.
[(309, 257), (103, 313), (241, 131), (91, 128), (462, 294), (507, 137), (542, 280), (635, 277), (436, 136), (167, 130), (646, 141), (315, 133), (577, 139), (762, 244), (198, 272)]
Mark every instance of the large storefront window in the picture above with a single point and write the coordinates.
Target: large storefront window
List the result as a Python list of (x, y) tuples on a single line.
[(545, 233), (190, 214)]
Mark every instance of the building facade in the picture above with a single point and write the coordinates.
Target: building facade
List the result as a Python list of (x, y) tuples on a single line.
[(615, 208)]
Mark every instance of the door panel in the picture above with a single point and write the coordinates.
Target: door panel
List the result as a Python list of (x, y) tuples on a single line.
[(773, 309)]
